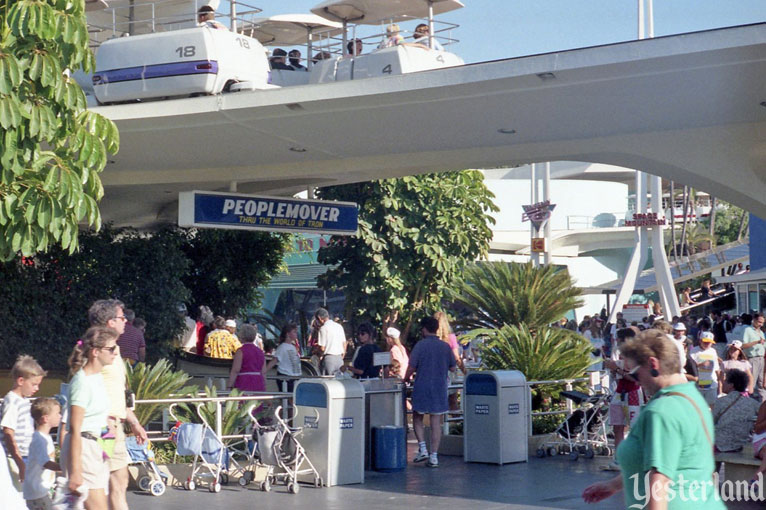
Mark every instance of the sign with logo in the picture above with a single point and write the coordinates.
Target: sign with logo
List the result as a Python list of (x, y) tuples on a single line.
[(481, 409), (645, 220), (346, 423), (275, 214), (538, 245), (513, 408), (310, 422), (537, 213)]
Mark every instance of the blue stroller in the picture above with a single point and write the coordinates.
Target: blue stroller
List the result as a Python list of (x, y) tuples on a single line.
[(211, 458), (154, 481)]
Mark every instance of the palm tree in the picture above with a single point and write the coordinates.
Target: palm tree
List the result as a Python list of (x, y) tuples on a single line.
[(550, 353), (500, 293)]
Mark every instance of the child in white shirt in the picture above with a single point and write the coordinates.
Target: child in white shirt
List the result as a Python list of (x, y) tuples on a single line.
[(41, 464)]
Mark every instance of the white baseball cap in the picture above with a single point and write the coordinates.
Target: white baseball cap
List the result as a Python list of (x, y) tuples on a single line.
[(230, 323), (679, 327), (707, 336), (393, 332)]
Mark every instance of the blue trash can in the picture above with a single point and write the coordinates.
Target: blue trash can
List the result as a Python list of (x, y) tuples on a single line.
[(389, 448)]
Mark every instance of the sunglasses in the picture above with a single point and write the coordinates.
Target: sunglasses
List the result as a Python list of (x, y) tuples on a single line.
[(110, 349)]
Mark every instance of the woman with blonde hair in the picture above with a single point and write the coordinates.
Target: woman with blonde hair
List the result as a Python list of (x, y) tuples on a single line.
[(670, 448), (82, 457), (446, 335)]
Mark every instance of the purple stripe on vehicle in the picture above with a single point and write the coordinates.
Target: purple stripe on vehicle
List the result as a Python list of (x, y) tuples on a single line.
[(156, 71)]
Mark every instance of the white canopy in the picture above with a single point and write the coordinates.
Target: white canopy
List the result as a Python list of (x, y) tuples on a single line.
[(370, 12), (289, 29)]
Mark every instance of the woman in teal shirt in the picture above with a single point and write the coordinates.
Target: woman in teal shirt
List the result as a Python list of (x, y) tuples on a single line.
[(667, 460)]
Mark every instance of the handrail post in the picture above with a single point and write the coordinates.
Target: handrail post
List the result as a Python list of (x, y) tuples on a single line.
[(218, 418), (568, 387)]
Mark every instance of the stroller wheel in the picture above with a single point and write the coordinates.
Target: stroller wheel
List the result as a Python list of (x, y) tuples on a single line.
[(189, 485), (224, 478), (215, 487), (266, 485), (540, 453), (589, 453), (243, 480), (144, 483), (573, 456), (318, 482), (157, 488), (552, 451), (293, 487)]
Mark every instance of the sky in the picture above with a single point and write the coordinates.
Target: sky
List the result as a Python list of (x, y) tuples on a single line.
[(497, 29)]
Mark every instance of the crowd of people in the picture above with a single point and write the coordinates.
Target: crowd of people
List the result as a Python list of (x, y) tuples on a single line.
[(715, 364), (91, 420)]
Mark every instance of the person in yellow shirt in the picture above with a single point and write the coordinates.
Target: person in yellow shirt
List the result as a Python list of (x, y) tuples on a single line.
[(220, 343)]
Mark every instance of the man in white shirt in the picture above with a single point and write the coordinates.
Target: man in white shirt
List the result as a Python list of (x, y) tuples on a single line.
[(332, 342)]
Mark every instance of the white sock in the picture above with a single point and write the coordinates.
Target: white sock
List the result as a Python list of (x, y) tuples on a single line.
[(434, 458), (422, 447)]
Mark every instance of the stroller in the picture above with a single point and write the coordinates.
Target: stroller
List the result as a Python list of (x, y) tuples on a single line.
[(277, 447), (211, 458), (154, 481), (584, 431)]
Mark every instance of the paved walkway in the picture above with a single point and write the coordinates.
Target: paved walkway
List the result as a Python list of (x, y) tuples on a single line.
[(549, 483)]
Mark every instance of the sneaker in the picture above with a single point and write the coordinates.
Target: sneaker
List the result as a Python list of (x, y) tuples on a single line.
[(432, 463), (612, 466), (420, 457)]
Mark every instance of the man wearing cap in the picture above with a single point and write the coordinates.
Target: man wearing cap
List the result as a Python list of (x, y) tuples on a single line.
[(709, 382), (753, 345)]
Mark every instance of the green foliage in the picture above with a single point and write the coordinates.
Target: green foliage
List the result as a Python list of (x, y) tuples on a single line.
[(542, 354), (44, 301), (155, 382), (415, 236), (500, 293), (727, 221), (230, 265), (51, 148), (233, 419)]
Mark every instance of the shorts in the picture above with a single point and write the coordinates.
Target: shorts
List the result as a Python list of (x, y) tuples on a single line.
[(95, 468), (759, 442), (119, 458), (43, 503), (13, 468), (624, 412)]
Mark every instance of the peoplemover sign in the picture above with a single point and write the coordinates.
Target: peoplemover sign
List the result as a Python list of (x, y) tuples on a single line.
[(204, 209)]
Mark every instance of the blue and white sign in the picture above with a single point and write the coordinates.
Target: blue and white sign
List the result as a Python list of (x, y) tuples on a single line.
[(513, 408), (481, 409), (276, 214), (310, 422), (347, 423)]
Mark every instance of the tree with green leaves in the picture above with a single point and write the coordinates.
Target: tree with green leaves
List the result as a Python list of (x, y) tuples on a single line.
[(51, 148), (495, 294), (228, 267), (416, 234)]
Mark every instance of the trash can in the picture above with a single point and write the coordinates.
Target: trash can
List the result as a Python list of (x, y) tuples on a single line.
[(389, 448), (331, 413), (383, 406), (496, 419)]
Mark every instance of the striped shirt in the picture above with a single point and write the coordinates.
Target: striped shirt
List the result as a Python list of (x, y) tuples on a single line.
[(16, 415)]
